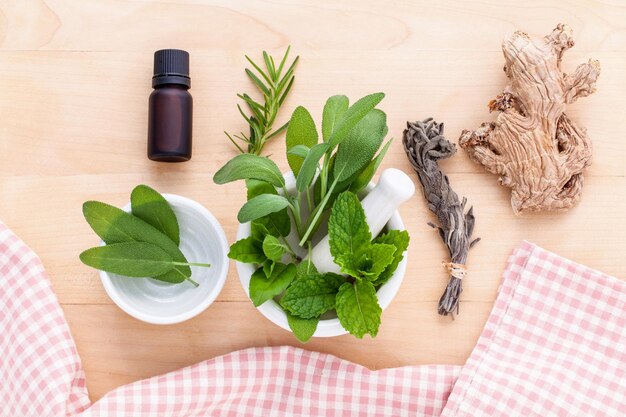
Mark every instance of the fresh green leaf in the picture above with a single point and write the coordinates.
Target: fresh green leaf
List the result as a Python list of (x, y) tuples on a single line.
[(347, 228), (375, 259), (360, 144), (310, 166), (258, 187), (352, 116), (276, 224), (152, 208), (272, 248), (247, 250), (261, 206), (301, 131), (268, 267), (131, 259), (400, 240), (305, 268), (303, 329), (357, 308), (299, 150), (258, 231), (263, 288), (114, 225), (312, 295), (247, 166), (365, 176), (334, 109)]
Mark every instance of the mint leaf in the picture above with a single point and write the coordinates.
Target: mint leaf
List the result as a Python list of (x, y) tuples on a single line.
[(357, 308), (399, 239), (151, 207), (261, 206), (301, 131), (263, 288), (309, 166), (131, 259), (305, 268), (312, 295), (352, 116), (272, 248), (360, 144), (347, 228), (247, 250), (303, 329), (374, 260), (248, 166), (334, 109), (114, 225)]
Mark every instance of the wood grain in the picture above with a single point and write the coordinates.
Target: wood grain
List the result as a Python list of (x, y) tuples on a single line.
[(74, 83)]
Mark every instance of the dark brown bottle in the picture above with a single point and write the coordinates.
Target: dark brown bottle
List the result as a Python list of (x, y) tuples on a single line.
[(170, 108)]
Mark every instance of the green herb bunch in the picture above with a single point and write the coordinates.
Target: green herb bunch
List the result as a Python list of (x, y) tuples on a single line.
[(274, 85), (143, 243), (329, 173)]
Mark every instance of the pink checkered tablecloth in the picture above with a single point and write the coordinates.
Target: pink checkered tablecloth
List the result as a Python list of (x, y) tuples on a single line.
[(554, 345)]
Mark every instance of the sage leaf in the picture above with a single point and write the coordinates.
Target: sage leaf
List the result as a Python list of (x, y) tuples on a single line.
[(357, 308), (247, 250), (303, 329), (360, 144), (365, 176), (263, 288), (276, 224), (131, 259), (272, 248), (299, 150), (334, 109), (260, 206), (301, 131), (400, 240), (312, 295), (352, 116), (114, 225), (310, 166), (151, 207), (347, 229), (248, 166)]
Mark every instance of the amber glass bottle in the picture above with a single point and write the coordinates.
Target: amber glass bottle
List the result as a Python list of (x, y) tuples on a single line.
[(170, 108)]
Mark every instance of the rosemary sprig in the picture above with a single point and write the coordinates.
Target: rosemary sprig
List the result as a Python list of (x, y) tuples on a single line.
[(274, 85)]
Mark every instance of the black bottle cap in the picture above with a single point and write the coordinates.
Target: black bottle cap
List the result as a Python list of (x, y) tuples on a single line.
[(171, 66)]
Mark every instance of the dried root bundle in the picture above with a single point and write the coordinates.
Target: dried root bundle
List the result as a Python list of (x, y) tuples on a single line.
[(424, 145), (533, 146)]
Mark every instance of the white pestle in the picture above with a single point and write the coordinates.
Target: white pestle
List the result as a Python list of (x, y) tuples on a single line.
[(394, 188)]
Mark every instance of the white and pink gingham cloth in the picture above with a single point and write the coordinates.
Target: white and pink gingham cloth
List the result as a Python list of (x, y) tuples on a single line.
[(554, 345)]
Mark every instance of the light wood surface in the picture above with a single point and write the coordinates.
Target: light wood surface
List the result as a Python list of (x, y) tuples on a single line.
[(74, 83)]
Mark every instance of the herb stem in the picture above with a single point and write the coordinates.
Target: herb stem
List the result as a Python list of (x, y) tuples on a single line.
[(192, 281), (312, 225), (192, 264)]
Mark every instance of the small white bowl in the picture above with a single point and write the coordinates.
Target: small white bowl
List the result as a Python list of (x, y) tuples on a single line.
[(326, 327), (202, 239)]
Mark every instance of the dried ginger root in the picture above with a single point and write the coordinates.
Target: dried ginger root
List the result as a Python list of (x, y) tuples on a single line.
[(533, 146)]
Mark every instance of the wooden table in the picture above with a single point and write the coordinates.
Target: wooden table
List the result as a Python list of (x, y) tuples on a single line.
[(74, 83)]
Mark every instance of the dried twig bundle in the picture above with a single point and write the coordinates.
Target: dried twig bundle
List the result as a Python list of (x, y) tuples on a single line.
[(424, 145), (533, 146)]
